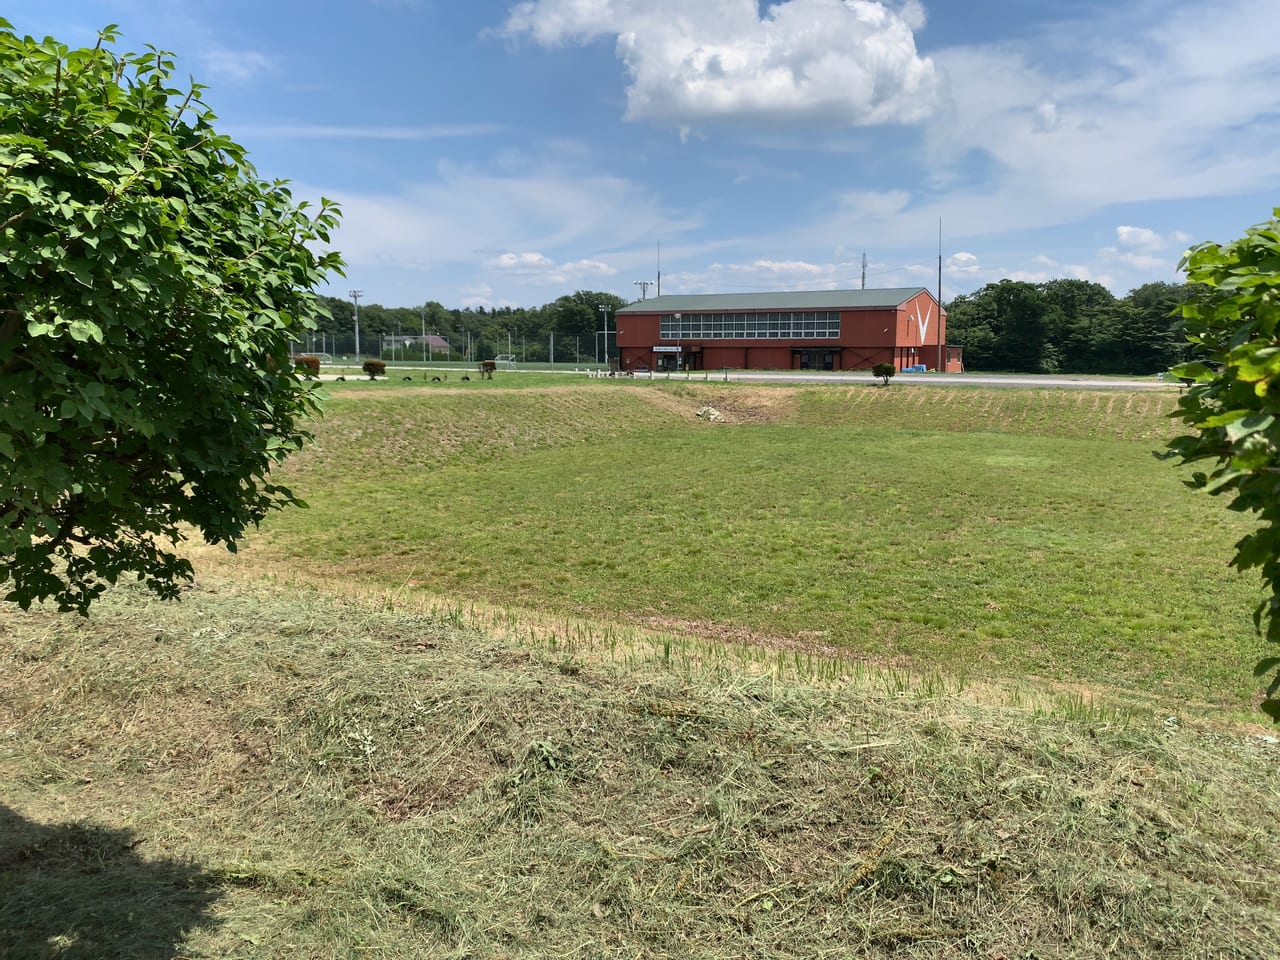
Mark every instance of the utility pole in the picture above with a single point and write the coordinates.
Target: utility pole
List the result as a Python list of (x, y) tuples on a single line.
[(644, 286), (355, 300)]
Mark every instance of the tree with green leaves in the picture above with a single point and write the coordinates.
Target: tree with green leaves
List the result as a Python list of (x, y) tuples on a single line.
[(150, 288), (884, 371), (1233, 404)]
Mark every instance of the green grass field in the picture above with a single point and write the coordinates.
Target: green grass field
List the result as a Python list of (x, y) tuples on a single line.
[(270, 773), (566, 671), (987, 533)]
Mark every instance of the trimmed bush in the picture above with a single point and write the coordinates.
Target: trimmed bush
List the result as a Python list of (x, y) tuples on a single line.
[(307, 365), (884, 371), (374, 368)]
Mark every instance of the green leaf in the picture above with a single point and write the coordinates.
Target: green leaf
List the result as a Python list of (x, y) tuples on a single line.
[(1196, 370), (1222, 419), (84, 330)]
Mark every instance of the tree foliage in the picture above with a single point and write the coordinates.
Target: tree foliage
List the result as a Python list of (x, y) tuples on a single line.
[(150, 288), (884, 371), (573, 321), (1233, 405), (1068, 326)]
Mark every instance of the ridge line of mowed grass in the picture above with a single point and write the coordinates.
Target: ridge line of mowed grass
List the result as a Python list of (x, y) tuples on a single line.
[(258, 772), (993, 533)]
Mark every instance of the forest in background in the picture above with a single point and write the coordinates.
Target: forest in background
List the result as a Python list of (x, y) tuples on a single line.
[(1060, 326)]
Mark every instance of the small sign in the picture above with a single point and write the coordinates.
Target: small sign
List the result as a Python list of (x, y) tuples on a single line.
[(668, 349)]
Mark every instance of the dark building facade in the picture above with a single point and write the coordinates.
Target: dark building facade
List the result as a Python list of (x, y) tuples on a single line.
[(808, 330)]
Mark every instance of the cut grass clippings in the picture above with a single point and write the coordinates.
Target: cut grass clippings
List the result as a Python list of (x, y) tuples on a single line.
[(269, 773)]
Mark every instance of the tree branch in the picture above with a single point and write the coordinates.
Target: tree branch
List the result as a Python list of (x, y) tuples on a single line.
[(17, 217)]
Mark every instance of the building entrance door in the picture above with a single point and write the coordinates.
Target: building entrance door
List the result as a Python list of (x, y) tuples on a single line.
[(816, 359)]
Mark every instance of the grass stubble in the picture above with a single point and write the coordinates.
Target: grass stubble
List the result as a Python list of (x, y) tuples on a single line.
[(274, 768)]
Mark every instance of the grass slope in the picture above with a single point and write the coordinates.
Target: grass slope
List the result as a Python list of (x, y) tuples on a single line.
[(993, 533), (276, 774)]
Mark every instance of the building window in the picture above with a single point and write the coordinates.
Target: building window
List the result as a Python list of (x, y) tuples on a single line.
[(809, 325)]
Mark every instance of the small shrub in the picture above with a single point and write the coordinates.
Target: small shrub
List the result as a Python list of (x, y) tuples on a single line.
[(374, 368), (884, 371), (310, 366)]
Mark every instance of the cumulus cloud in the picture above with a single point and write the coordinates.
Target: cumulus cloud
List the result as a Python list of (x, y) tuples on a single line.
[(783, 267), (831, 62), (1145, 240), (536, 266), (1140, 250), (520, 262)]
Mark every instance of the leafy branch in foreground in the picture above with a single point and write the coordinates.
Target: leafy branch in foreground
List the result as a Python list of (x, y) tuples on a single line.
[(1233, 404), (150, 289)]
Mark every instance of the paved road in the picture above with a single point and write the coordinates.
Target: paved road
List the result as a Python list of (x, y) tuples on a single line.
[(1042, 381)]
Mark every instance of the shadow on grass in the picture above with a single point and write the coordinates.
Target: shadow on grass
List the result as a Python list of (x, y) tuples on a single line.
[(79, 891)]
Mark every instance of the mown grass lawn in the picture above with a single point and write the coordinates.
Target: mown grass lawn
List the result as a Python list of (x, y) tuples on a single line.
[(326, 751), (1002, 534)]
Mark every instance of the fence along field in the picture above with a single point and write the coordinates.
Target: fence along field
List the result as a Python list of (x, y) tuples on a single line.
[(991, 533)]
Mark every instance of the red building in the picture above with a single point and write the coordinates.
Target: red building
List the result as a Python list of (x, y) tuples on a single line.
[(810, 330)]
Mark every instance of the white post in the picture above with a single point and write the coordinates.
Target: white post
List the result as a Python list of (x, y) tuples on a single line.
[(355, 300)]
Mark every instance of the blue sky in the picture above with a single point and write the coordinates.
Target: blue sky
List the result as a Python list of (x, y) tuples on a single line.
[(495, 152)]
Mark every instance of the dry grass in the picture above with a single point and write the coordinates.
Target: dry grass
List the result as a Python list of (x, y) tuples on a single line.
[(268, 772)]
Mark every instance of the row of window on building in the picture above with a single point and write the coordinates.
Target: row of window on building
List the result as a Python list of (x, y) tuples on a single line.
[(811, 324)]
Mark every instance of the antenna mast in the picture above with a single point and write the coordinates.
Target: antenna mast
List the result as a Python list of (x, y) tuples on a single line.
[(940, 328), (864, 269)]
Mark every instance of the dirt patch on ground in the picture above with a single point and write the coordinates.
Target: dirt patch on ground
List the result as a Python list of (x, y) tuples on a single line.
[(735, 404)]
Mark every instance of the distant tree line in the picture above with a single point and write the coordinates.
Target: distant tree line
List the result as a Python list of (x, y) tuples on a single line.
[(1062, 326), (1069, 326), (574, 320)]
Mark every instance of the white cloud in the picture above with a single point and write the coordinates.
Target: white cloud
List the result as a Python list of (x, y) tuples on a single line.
[(1149, 241), (1140, 251), (221, 64), (520, 262), (1138, 237), (829, 62), (1048, 134), (534, 266)]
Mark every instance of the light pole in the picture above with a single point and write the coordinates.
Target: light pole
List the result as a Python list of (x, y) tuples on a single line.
[(355, 300), (644, 286), (604, 313)]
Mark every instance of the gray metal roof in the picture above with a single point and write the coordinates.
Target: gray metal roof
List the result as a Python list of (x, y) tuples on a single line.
[(780, 300)]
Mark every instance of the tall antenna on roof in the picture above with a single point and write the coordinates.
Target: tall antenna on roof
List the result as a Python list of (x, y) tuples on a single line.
[(940, 331), (864, 269), (659, 268)]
